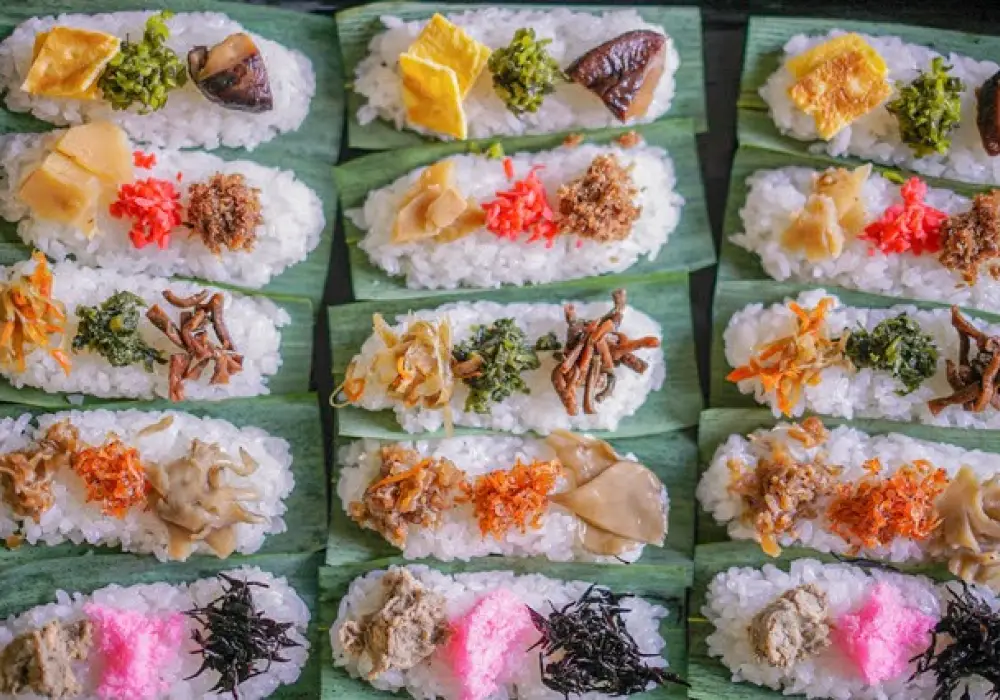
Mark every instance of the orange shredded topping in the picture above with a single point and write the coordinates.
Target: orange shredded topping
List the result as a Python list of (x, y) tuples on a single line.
[(874, 512), (113, 475), (787, 365), (506, 499), (30, 317)]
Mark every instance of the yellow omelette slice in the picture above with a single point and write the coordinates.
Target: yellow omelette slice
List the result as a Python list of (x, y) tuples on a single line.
[(808, 61), (67, 62), (448, 45), (432, 97)]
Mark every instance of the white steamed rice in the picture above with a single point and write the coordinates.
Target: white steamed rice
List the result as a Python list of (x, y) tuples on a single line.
[(737, 595), (875, 136), (253, 323), (482, 259), (433, 678), (847, 448), (292, 214), (774, 198), (864, 393), (279, 601), (540, 411), (458, 535), (189, 119), (73, 519), (571, 106)]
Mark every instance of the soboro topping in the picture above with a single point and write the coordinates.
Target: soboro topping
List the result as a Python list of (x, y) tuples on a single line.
[(225, 212)]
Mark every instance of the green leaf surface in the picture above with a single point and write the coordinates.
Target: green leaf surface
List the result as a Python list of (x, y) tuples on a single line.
[(665, 584), (31, 583), (664, 298), (294, 418), (310, 151), (291, 378), (357, 26), (689, 246), (672, 457)]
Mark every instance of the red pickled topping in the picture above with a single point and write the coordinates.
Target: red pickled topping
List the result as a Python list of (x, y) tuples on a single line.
[(154, 207), (143, 160), (910, 226), (524, 208)]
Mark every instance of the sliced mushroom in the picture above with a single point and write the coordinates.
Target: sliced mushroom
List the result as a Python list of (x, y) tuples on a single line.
[(232, 74), (603, 543), (624, 71), (584, 457)]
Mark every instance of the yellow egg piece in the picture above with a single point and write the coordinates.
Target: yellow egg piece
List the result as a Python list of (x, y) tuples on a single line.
[(448, 45), (810, 60), (67, 62), (432, 97)]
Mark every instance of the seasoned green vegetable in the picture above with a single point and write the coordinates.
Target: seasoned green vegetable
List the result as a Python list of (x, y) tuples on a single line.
[(495, 151), (548, 343), (491, 363), (928, 109), (144, 71), (112, 330), (898, 346), (524, 73)]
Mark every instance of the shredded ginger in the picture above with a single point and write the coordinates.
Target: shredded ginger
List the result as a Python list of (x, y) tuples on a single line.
[(154, 207), (505, 499), (30, 318), (114, 476), (524, 208), (911, 226)]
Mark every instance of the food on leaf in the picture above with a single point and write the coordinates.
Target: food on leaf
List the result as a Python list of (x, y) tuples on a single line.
[(623, 71), (583, 457), (929, 109), (112, 331), (969, 536), (224, 212), (897, 346), (988, 114), (833, 214), (101, 148), (144, 71), (911, 226), (40, 661), (973, 237), (449, 45), (524, 208), (113, 475), (600, 204), (518, 497), (232, 74), (433, 208), (432, 96), (30, 318), (491, 363), (154, 206), (791, 628), (67, 62), (973, 379), (838, 82), (60, 190), (26, 475), (524, 72)]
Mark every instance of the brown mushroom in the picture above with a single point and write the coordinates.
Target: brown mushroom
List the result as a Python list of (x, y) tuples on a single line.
[(232, 74)]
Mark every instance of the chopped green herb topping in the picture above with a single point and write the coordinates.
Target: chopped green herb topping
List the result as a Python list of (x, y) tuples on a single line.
[(548, 343), (491, 363), (898, 346), (524, 73), (112, 331), (144, 71), (495, 151), (928, 109), (893, 176)]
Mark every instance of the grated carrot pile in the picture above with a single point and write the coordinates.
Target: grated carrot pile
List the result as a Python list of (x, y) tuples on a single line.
[(506, 499), (873, 512), (789, 364), (30, 317), (113, 475)]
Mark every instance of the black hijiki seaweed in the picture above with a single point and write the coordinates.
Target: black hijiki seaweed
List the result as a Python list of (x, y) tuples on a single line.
[(586, 647), (969, 638), (237, 637)]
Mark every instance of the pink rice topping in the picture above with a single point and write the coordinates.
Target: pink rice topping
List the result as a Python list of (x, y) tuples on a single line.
[(883, 635), (489, 641), (133, 648)]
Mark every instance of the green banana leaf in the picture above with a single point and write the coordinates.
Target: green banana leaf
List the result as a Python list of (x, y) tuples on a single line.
[(665, 584), (357, 26), (709, 678), (312, 149), (663, 297), (671, 456), (295, 418), (689, 246), (731, 297), (32, 583), (292, 378)]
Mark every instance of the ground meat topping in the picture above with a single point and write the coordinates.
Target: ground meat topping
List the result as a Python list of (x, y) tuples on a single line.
[(40, 661), (792, 627), (973, 237), (225, 212), (600, 205)]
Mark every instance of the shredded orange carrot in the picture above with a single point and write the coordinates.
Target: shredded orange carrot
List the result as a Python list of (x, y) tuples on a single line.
[(787, 365), (873, 512), (29, 317), (113, 475), (506, 499)]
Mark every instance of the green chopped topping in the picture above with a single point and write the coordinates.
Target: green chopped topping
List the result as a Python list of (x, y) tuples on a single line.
[(495, 151), (112, 330), (493, 360), (898, 346), (894, 177), (144, 71), (928, 109), (548, 343), (524, 73)]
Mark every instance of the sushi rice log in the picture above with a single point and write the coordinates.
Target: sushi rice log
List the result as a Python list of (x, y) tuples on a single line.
[(278, 601), (774, 197), (735, 596), (73, 519), (433, 265), (458, 536), (292, 219), (253, 322), (541, 411), (571, 106), (875, 136), (864, 393), (433, 677), (189, 119)]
